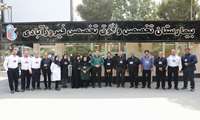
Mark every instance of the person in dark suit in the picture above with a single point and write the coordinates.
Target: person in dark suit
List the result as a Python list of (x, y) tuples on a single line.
[(188, 62), (120, 69), (133, 68), (45, 66), (108, 65), (160, 63)]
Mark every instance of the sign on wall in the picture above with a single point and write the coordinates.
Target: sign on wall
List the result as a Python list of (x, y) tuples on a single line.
[(122, 31)]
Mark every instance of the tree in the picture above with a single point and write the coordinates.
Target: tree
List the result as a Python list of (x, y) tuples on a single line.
[(134, 10), (117, 10), (178, 10), (96, 10)]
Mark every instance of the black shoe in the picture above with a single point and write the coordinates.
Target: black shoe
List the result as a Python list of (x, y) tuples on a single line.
[(49, 88), (32, 89), (169, 88), (22, 90), (176, 88), (118, 86), (45, 88), (58, 89), (28, 89), (136, 86), (12, 91), (64, 86), (131, 86), (157, 87), (184, 88), (38, 88), (149, 87), (17, 91), (163, 88), (143, 86), (192, 89)]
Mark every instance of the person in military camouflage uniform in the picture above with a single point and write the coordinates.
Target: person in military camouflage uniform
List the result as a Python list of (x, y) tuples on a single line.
[(96, 62)]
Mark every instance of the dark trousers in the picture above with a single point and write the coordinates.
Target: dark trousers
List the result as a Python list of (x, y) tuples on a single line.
[(64, 80), (75, 83), (120, 76), (133, 77), (13, 79), (188, 75), (173, 74), (47, 73), (146, 75), (85, 83), (35, 78), (160, 78), (96, 76), (57, 84), (108, 78), (25, 79), (64, 75)]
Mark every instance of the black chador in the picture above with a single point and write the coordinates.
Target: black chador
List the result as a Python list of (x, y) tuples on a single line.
[(76, 67)]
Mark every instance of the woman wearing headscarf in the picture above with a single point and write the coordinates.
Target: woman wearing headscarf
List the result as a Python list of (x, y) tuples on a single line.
[(56, 72), (76, 68)]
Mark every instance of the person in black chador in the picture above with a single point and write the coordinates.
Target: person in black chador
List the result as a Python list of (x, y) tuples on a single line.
[(76, 67), (64, 70)]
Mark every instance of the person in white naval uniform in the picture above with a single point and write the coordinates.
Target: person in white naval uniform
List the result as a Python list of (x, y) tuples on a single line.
[(174, 65), (11, 64), (36, 71), (25, 71)]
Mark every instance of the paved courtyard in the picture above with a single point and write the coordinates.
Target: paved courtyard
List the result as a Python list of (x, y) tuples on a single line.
[(108, 103)]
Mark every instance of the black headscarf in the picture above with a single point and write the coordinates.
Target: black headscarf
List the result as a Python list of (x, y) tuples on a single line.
[(57, 62)]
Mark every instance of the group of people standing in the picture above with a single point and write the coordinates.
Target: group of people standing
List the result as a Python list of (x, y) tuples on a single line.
[(87, 70)]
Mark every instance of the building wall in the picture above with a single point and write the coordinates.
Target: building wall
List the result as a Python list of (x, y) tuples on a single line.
[(136, 48)]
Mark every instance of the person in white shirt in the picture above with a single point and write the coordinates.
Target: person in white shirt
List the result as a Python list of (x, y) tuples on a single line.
[(25, 71), (56, 72), (35, 66), (11, 64), (174, 67)]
